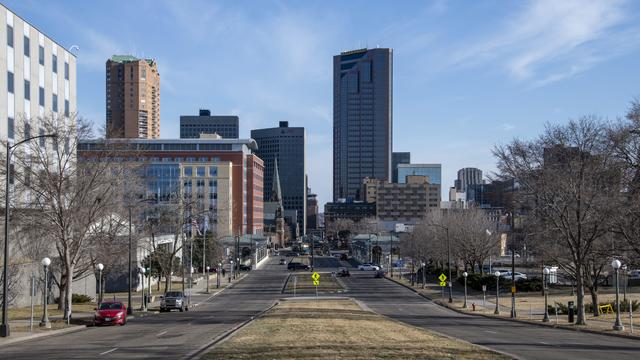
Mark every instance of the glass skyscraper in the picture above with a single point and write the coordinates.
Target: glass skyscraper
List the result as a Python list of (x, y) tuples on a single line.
[(433, 171), (362, 119)]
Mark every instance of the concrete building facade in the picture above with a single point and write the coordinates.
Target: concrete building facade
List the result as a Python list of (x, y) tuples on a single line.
[(133, 97), (287, 146), (191, 126), (362, 119), (408, 201)]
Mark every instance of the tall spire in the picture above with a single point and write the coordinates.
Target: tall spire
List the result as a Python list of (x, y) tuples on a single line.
[(276, 192)]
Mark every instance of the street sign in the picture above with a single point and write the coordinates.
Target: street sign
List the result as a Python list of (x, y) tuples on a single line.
[(316, 282), (513, 289), (443, 283), (442, 278), (315, 276), (484, 288)]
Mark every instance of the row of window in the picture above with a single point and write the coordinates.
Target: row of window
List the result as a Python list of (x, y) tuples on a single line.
[(27, 94), (27, 53), (200, 171)]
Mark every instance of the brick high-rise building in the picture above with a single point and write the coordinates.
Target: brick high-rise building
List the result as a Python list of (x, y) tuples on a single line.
[(133, 98)]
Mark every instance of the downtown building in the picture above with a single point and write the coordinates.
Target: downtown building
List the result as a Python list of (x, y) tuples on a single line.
[(285, 147), (398, 158), (133, 98), (223, 176), (191, 126), (406, 202), (362, 119), (432, 171)]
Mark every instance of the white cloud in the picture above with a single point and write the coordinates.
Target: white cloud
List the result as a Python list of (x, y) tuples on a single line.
[(551, 40)]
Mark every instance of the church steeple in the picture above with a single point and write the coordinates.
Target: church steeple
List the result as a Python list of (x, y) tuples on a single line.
[(276, 190)]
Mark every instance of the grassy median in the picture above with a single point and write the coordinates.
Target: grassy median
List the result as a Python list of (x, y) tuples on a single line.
[(332, 329)]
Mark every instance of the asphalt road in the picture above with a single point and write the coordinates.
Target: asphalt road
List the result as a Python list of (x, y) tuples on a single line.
[(521, 340), (167, 335), (174, 335)]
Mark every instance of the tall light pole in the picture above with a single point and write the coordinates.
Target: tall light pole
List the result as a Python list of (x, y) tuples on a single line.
[(545, 290), (218, 275), (424, 273), (129, 308), (615, 264), (45, 315), (99, 267), (446, 229), (143, 303), (513, 267), (497, 311), (4, 327), (206, 292), (465, 274), (624, 283)]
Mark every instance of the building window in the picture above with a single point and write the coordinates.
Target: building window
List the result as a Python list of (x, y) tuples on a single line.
[(9, 35), (213, 171), (41, 55), (10, 82), (54, 63), (54, 102), (26, 47), (41, 96), (188, 171), (10, 127), (66, 108), (27, 90), (66, 71), (27, 131), (42, 140), (200, 171)]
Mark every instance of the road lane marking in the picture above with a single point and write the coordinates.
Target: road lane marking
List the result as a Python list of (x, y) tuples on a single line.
[(493, 332), (162, 333), (544, 343), (108, 351)]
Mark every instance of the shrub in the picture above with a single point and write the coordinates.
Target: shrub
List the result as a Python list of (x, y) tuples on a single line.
[(80, 299)]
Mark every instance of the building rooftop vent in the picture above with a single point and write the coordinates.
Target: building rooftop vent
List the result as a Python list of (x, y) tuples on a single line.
[(284, 124), (205, 112)]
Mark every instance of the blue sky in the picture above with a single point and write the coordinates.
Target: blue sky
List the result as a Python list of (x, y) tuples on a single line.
[(467, 74)]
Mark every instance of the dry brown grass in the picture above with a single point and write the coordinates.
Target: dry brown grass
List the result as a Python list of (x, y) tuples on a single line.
[(25, 312), (337, 329)]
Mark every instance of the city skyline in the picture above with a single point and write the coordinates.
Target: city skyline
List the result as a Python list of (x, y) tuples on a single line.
[(453, 99)]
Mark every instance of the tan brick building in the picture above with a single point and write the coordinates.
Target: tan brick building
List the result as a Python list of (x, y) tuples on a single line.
[(133, 98), (408, 201)]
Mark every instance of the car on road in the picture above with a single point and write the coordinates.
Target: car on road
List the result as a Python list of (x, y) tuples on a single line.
[(368, 267), (293, 266), (379, 274), (110, 313), (244, 267), (173, 300), (516, 275), (283, 262), (342, 272)]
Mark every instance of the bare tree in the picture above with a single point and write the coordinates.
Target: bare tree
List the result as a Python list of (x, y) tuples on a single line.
[(569, 177)]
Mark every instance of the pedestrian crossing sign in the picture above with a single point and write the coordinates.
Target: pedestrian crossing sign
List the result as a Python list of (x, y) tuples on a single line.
[(315, 276), (442, 278), (316, 282), (443, 283)]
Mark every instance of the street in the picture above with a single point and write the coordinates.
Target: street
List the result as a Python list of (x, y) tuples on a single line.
[(175, 335)]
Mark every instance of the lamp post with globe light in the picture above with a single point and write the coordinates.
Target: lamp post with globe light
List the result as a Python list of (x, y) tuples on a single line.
[(218, 275), (465, 274), (497, 274), (545, 290), (207, 274), (45, 323), (99, 267), (616, 264)]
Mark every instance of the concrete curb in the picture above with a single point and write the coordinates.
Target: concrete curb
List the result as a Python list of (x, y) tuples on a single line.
[(42, 335), (198, 353), (562, 327)]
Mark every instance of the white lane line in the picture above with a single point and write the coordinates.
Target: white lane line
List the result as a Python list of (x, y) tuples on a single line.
[(493, 332), (108, 351), (162, 333), (544, 343)]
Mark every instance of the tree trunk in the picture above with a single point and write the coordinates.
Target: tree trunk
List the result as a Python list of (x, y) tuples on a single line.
[(594, 299), (68, 290), (581, 318)]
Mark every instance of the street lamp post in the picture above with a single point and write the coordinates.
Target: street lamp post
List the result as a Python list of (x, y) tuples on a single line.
[(45, 323), (218, 275), (206, 292), (545, 290), (465, 274), (129, 308), (100, 267), (497, 311), (4, 327), (624, 283), (143, 303), (424, 273), (615, 264), (231, 272)]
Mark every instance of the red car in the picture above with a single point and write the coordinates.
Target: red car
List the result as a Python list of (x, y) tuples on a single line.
[(110, 313)]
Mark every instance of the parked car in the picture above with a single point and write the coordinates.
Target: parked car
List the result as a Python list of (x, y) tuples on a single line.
[(293, 266), (368, 267), (379, 274), (342, 272), (283, 261), (244, 267), (173, 300), (110, 313)]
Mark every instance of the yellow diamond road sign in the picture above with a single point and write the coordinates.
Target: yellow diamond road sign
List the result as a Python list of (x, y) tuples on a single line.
[(315, 276), (316, 282), (442, 278), (442, 283)]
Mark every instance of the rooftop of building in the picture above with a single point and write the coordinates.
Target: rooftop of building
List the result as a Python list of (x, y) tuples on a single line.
[(208, 139), (419, 165), (130, 58)]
